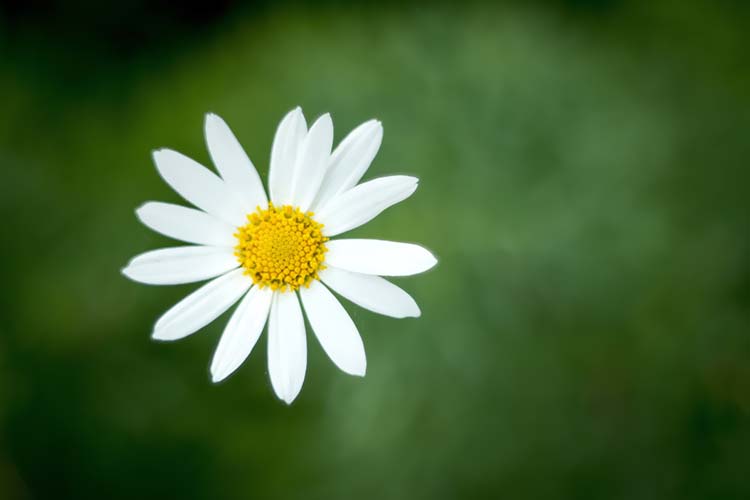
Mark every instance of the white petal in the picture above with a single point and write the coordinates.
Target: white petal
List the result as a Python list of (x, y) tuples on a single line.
[(334, 328), (199, 186), (186, 224), (384, 258), (241, 333), (371, 292), (350, 160), (202, 306), (287, 346), (233, 164), (312, 161), (364, 202), (176, 265), (289, 136)]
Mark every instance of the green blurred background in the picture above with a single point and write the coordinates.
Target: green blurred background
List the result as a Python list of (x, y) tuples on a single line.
[(584, 183)]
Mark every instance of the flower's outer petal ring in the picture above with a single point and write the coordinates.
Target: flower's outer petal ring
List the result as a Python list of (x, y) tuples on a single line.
[(178, 265), (199, 186), (286, 144), (241, 333), (334, 328), (287, 346), (202, 306), (186, 224), (364, 202), (371, 292), (233, 164), (382, 258)]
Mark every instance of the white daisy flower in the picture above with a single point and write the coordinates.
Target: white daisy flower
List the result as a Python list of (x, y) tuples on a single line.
[(267, 253)]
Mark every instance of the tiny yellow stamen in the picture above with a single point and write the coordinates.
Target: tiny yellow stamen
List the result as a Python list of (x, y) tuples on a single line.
[(281, 247)]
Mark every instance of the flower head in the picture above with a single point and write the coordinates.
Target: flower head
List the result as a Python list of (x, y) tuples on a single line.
[(269, 254)]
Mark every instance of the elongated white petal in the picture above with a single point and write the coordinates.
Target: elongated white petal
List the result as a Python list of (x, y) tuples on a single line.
[(233, 164), (364, 202), (350, 160), (334, 328), (371, 292), (383, 258), (287, 346), (202, 306), (176, 265), (241, 333), (186, 224), (286, 143), (312, 162), (199, 186)]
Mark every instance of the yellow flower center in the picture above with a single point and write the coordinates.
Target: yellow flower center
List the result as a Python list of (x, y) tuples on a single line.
[(281, 247)]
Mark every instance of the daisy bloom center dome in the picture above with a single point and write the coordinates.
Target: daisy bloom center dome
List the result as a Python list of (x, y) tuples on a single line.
[(281, 248)]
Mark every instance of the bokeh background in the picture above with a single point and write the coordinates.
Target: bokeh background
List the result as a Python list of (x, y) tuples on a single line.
[(584, 183)]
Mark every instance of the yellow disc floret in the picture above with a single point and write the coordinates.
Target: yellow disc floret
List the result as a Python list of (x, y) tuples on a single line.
[(281, 247)]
